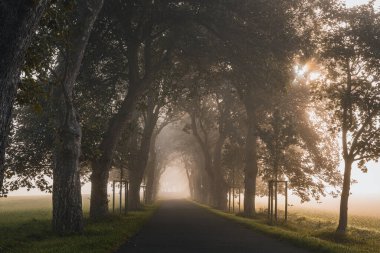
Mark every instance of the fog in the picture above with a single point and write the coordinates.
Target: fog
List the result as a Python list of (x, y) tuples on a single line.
[(174, 183), (364, 199)]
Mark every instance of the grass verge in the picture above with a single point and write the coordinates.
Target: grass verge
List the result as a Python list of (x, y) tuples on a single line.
[(306, 236), (29, 231)]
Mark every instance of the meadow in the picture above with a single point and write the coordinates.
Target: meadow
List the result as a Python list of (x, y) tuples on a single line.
[(315, 230), (25, 226)]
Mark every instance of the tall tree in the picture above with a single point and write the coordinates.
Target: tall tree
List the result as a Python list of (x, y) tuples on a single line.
[(18, 22), (351, 90), (67, 198), (146, 47), (294, 149)]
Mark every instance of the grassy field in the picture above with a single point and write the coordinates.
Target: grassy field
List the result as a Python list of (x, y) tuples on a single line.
[(315, 231), (25, 227)]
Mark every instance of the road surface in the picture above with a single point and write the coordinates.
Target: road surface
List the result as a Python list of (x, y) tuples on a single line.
[(180, 226)]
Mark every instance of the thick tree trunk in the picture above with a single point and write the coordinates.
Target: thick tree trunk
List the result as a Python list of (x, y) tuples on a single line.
[(134, 191), (220, 185), (251, 168), (220, 194), (151, 169), (151, 172), (197, 182), (156, 185), (99, 198), (18, 21), (191, 184), (141, 164), (206, 186), (208, 177), (209, 183), (150, 184), (102, 165), (67, 198), (343, 214)]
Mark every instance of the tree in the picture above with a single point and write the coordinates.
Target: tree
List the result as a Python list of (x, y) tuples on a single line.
[(294, 148), (67, 198), (19, 20), (155, 168), (29, 158), (155, 51), (259, 59), (351, 90)]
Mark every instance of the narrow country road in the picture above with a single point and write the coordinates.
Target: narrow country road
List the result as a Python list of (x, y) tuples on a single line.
[(179, 226)]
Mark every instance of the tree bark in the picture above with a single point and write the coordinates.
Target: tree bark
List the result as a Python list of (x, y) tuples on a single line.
[(251, 168), (191, 183), (102, 165), (151, 171), (18, 22), (220, 185), (136, 177), (67, 199), (151, 174), (348, 160), (137, 86), (208, 184), (156, 182), (343, 214), (138, 171)]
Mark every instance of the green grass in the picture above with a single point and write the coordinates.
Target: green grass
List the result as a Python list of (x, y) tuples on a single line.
[(315, 231), (25, 226)]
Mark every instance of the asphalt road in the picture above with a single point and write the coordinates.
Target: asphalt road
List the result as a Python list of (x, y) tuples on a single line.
[(179, 226)]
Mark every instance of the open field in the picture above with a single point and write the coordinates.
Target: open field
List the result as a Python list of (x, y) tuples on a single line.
[(25, 227), (315, 231)]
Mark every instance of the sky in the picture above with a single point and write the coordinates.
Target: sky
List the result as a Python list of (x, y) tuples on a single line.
[(351, 3)]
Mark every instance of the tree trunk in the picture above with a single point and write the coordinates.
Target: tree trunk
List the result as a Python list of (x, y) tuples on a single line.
[(151, 173), (206, 186), (150, 185), (208, 177), (251, 168), (191, 183), (151, 168), (221, 193), (102, 165), (343, 214), (143, 156), (134, 190), (67, 199), (156, 184), (99, 198), (220, 185), (18, 21), (197, 182)]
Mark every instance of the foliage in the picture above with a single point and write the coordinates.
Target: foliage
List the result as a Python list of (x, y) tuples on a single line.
[(350, 86), (29, 157), (295, 149)]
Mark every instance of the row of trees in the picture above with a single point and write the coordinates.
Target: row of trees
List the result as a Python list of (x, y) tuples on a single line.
[(99, 82)]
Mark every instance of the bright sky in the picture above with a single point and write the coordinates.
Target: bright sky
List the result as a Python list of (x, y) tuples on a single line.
[(351, 3)]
